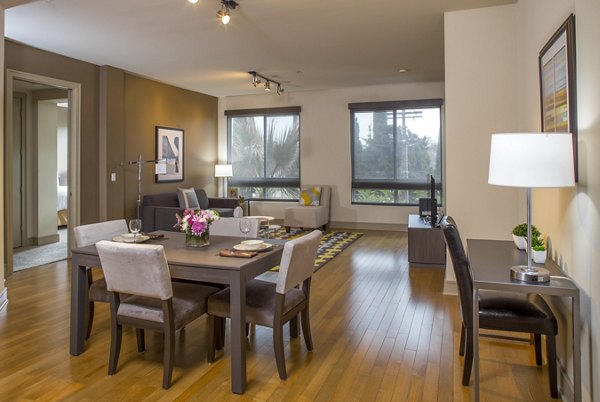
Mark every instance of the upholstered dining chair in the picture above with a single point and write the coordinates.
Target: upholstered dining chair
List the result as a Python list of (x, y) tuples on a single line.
[(86, 235), (155, 303), (231, 227), (503, 311), (273, 304)]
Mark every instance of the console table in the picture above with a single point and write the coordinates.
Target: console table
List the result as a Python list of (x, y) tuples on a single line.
[(426, 244)]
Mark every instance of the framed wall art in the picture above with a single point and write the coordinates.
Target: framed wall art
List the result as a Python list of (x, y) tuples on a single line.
[(169, 147), (558, 85)]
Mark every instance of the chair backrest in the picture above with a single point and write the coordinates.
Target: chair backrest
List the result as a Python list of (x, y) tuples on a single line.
[(137, 269), (462, 268), (298, 261), (94, 232), (231, 227)]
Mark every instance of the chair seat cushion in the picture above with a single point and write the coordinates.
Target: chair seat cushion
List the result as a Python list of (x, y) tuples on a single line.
[(189, 303), (98, 291), (515, 312), (260, 302)]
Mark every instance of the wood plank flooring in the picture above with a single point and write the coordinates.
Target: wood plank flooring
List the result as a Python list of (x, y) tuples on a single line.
[(382, 332)]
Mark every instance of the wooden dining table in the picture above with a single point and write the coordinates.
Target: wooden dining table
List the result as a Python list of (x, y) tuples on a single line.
[(198, 264)]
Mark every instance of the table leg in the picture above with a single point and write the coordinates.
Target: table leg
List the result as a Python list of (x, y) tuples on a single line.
[(576, 350), (238, 333), (475, 330), (79, 301)]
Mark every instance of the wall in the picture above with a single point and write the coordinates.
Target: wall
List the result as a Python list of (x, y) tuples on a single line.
[(325, 144), (3, 297), (30, 60)]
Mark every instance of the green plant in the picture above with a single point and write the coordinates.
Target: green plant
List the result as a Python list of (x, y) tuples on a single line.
[(521, 230), (537, 244), (241, 201)]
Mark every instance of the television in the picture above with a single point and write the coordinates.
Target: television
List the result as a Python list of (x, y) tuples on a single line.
[(433, 201)]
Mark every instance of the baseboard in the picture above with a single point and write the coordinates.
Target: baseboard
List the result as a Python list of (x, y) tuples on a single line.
[(40, 241), (3, 299), (393, 227), (450, 289)]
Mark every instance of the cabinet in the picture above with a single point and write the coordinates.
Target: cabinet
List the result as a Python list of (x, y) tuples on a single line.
[(425, 243)]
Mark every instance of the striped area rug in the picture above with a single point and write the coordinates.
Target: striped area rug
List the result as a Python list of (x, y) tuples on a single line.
[(332, 243)]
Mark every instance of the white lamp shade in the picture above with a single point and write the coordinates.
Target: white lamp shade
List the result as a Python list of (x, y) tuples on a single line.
[(223, 170), (532, 160)]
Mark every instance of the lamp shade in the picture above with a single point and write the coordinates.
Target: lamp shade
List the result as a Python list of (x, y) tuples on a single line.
[(532, 160), (223, 170)]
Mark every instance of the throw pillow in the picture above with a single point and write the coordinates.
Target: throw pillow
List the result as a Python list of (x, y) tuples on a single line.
[(187, 198), (310, 196)]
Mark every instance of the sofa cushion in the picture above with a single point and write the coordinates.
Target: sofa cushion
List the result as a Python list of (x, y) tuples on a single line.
[(310, 196), (202, 199), (187, 198)]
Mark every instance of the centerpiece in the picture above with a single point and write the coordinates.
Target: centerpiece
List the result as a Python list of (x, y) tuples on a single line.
[(196, 224)]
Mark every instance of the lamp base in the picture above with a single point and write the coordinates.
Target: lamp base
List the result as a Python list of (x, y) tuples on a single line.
[(521, 273)]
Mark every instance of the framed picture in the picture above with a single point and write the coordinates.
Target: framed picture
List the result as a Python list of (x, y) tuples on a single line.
[(233, 192), (169, 146), (558, 84)]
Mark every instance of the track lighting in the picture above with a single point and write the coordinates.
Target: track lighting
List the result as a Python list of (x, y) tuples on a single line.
[(223, 13), (256, 79)]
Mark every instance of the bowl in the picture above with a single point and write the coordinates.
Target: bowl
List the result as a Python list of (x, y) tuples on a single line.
[(252, 244)]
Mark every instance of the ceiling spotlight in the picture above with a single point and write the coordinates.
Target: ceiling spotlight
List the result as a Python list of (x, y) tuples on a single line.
[(279, 89), (193, 1), (223, 13), (255, 81), (268, 85), (259, 78)]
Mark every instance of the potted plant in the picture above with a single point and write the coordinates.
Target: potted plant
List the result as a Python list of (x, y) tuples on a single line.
[(538, 250), (519, 235), (238, 212)]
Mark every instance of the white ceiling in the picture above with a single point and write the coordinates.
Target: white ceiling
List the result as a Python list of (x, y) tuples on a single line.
[(305, 44)]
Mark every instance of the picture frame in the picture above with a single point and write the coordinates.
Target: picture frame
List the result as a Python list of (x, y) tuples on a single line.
[(170, 147), (233, 192), (558, 84)]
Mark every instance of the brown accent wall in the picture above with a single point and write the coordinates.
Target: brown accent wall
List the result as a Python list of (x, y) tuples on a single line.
[(149, 104), (35, 61)]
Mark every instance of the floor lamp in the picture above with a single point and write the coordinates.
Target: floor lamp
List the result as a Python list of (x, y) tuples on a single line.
[(223, 171), (531, 160)]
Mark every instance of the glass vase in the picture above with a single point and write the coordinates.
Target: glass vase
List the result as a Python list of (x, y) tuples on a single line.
[(197, 241)]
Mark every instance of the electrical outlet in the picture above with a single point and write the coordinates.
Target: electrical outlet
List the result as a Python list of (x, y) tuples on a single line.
[(113, 177)]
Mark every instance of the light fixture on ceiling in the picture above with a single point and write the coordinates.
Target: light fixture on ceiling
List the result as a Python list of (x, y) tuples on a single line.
[(256, 79), (193, 1), (223, 13)]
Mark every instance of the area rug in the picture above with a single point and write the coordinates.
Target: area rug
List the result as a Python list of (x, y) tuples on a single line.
[(332, 243), (28, 257)]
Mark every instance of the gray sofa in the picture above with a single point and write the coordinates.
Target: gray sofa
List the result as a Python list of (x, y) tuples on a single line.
[(158, 210)]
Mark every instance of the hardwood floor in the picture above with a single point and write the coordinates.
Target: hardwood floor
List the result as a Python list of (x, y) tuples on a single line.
[(382, 332)]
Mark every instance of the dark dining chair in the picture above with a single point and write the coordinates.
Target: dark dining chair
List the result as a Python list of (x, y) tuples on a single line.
[(502, 311), (273, 304), (86, 235), (155, 303)]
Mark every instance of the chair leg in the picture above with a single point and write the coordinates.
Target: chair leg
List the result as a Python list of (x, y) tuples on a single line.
[(115, 347), (221, 331), (141, 339), (304, 314), (468, 358), (279, 355), (287, 229), (90, 320), (537, 344), (552, 372), (213, 334), (294, 327), (461, 350), (169, 353)]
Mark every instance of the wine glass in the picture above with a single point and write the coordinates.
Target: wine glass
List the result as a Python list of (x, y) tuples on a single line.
[(245, 226), (135, 225)]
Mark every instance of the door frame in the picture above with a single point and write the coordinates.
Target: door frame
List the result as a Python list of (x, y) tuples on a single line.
[(74, 141)]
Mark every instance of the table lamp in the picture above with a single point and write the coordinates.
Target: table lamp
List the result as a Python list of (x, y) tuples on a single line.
[(222, 171), (531, 160)]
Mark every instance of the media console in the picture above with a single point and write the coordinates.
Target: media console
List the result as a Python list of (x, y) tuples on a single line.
[(426, 244)]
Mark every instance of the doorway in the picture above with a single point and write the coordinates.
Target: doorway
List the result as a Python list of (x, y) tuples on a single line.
[(41, 175)]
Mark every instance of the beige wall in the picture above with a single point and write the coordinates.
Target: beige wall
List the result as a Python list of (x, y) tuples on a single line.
[(325, 144), (498, 90), (3, 296)]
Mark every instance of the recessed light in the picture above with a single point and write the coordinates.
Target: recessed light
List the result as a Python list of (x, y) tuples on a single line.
[(403, 70)]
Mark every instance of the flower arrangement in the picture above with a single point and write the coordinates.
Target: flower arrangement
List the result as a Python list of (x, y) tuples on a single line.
[(195, 224)]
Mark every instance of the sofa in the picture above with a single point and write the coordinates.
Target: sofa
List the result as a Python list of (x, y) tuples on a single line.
[(310, 216), (158, 210)]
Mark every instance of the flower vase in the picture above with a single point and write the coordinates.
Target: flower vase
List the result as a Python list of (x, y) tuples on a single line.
[(197, 241)]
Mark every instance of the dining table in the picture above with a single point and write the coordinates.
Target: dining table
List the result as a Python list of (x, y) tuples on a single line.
[(196, 264)]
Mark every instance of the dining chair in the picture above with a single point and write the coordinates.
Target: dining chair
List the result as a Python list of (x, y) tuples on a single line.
[(155, 304), (273, 304), (503, 311), (231, 227), (86, 235)]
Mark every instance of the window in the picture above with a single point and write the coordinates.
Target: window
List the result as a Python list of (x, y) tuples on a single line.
[(264, 149), (395, 145)]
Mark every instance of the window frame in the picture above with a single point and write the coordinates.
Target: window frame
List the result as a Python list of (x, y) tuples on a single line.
[(394, 184), (264, 182)]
